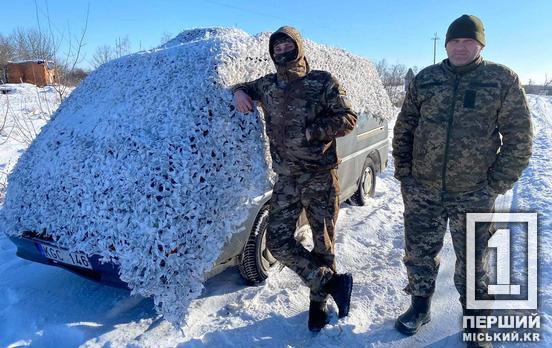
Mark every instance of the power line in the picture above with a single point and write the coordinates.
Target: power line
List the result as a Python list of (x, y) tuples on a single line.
[(286, 20)]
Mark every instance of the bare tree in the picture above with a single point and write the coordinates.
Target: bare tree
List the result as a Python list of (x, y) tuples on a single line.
[(547, 86), (105, 53), (166, 37), (391, 75), (102, 55), (6, 49), (6, 54), (65, 62), (122, 47), (540, 89), (392, 78), (32, 44), (74, 77)]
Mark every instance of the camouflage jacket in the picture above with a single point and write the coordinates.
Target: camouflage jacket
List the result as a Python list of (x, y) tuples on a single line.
[(315, 101), (461, 129), (296, 99)]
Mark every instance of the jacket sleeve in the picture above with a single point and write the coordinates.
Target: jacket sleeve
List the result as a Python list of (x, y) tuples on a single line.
[(403, 133), (514, 124), (251, 88), (338, 119)]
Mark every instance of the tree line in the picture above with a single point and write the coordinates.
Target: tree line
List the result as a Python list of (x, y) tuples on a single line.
[(34, 44)]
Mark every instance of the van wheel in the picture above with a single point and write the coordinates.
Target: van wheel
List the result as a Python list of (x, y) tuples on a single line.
[(367, 184), (256, 259)]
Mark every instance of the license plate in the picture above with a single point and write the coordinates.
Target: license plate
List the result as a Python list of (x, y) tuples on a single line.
[(64, 256)]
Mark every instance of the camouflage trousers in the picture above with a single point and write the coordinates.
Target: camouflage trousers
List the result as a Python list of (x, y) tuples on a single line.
[(318, 195), (426, 212)]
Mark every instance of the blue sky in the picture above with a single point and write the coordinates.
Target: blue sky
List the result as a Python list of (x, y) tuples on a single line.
[(519, 33)]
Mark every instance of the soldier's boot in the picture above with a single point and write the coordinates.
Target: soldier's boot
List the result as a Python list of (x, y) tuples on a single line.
[(475, 331), (418, 314), (340, 287), (318, 315)]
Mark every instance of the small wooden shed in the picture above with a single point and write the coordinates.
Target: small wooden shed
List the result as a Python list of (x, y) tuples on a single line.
[(38, 72)]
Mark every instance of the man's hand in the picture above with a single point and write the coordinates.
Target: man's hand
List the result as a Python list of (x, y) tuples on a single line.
[(242, 101)]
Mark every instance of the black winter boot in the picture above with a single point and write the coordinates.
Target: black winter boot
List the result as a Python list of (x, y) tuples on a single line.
[(318, 316), (417, 315), (340, 287)]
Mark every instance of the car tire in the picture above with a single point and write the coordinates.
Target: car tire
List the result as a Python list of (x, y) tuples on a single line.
[(366, 185), (256, 259)]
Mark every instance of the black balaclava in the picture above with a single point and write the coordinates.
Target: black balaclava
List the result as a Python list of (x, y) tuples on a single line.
[(293, 64), (286, 57)]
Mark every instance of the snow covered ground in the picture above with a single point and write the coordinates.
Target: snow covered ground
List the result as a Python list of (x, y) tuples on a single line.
[(43, 306), (24, 109)]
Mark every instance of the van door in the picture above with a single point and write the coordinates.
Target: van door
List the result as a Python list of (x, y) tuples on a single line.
[(347, 170), (355, 147)]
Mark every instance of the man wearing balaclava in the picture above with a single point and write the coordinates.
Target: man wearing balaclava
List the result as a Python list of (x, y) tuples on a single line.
[(305, 111), (463, 136)]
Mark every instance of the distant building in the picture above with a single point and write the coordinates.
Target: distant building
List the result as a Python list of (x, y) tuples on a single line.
[(37, 72)]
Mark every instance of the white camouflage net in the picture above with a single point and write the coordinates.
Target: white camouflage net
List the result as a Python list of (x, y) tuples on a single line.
[(147, 164)]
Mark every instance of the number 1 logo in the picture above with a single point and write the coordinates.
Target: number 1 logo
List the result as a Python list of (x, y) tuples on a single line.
[(501, 241)]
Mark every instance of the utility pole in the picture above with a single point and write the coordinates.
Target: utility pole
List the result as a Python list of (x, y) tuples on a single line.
[(435, 38)]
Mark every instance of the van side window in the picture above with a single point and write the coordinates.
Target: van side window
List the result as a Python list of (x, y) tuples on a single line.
[(363, 122)]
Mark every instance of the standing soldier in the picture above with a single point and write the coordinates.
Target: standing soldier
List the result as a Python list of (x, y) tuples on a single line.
[(463, 136), (305, 112)]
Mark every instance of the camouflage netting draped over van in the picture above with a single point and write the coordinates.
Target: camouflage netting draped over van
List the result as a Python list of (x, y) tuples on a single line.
[(147, 163)]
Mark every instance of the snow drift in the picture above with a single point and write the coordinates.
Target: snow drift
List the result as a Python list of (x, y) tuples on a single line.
[(148, 165)]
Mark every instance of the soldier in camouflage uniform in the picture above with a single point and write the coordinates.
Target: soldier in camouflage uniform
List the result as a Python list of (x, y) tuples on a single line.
[(305, 111), (463, 136)]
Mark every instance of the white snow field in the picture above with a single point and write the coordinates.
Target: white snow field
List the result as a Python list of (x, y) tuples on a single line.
[(42, 306), (24, 109), (147, 163)]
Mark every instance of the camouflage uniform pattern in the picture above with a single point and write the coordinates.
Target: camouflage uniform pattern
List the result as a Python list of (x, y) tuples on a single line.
[(318, 195), (451, 160), (447, 133), (295, 100), (426, 212)]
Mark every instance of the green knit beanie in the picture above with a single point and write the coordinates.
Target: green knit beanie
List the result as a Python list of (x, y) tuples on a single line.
[(466, 27)]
